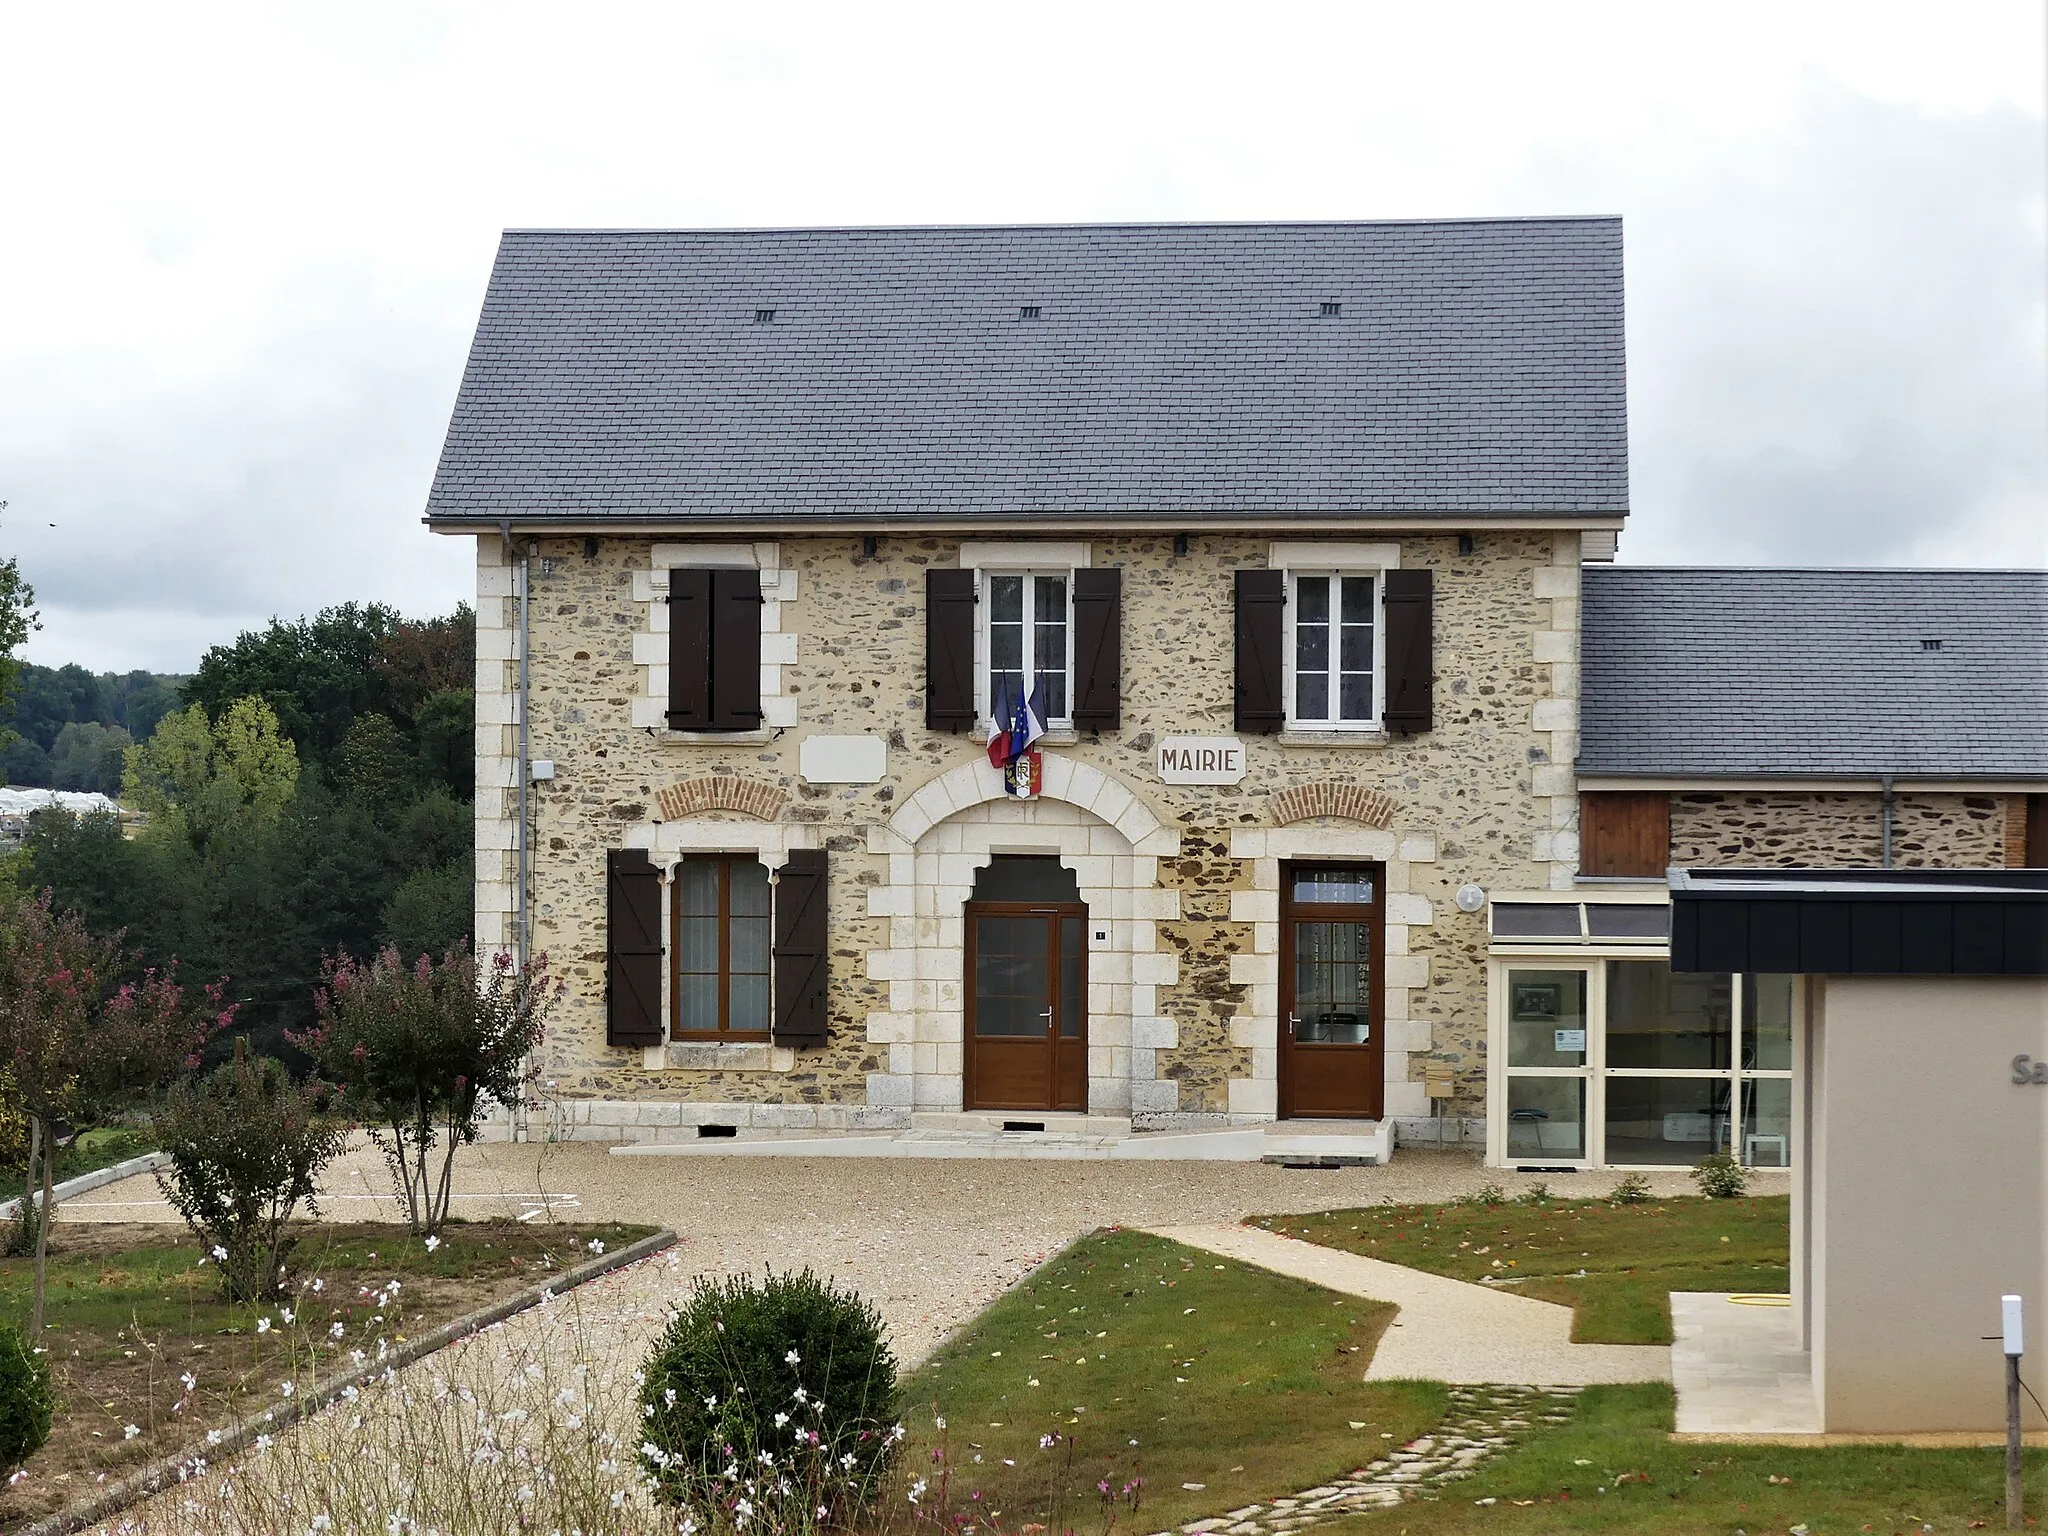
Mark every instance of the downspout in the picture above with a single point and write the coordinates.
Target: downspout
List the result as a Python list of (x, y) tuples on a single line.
[(525, 918), (1885, 826)]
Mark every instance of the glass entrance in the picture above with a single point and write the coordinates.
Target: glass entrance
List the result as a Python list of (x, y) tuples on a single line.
[(1331, 1050), (1547, 1064)]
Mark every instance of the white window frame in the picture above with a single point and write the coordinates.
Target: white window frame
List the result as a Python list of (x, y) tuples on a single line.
[(984, 648), (1592, 957), (1298, 558), (1371, 723)]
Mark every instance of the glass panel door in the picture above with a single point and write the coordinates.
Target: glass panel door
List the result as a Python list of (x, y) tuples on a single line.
[(1548, 1054)]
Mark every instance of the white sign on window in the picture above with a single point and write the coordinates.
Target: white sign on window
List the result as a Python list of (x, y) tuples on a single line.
[(1200, 760), (1570, 1040)]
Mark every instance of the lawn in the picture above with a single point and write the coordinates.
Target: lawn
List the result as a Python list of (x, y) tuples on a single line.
[(1218, 1383), (1614, 1468), (90, 1151), (1615, 1265), (133, 1310)]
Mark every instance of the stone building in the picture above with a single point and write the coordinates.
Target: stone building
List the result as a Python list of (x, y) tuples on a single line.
[(1293, 524)]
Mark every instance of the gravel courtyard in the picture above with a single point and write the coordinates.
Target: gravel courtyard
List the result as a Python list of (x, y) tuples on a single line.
[(929, 1241)]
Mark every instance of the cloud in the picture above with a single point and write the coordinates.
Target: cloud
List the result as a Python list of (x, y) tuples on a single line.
[(1838, 347), (247, 243)]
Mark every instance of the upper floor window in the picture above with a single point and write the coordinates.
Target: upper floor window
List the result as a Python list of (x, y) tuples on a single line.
[(1333, 650), (1028, 618)]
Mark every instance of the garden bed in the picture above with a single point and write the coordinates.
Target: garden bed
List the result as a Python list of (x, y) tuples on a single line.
[(1614, 1264), (134, 1310)]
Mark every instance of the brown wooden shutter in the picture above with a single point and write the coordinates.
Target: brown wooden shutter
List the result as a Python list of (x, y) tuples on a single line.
[(689, 650), (1411, 652), (1624, 832), (1098, 649), (1261, 704), (2037, 832), (632, 949), (948, 650), (735, 650), (800, 952)]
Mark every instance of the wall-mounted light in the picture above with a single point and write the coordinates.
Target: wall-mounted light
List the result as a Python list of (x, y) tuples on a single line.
[(1470, 897), (1180, 543)]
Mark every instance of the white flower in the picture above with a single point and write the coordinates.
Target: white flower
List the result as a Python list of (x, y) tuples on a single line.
[(286, 1389), (801, 1395), (131, 1432), (263, 1442), (335, 1330), (213, 1437), (190, 1381), (287, 1314), (596, 1246), (321, 1523), (16, 1476), (937, 1422), (220, 1253), (917, 1490), (791, 1358), (317, 1285), (781, 1419), (433, 1243), (263, 1325)]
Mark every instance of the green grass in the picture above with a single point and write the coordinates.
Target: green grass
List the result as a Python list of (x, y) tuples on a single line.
[(91, 1151), (1614, 1265), (1243, 1381), (1614, 1468)]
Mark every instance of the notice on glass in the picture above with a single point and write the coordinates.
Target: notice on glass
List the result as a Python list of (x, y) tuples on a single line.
[(1571, 1040)]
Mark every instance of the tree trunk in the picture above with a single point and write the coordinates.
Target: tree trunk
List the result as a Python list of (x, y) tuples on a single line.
[(43, 1218), (28, 1183)]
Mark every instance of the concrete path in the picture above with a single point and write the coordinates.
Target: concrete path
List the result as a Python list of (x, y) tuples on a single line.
[(1447, 1330), (1737, 1366)]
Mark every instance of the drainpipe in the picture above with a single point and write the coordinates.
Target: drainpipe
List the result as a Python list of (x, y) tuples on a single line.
[(1885, 826), (525, 914)]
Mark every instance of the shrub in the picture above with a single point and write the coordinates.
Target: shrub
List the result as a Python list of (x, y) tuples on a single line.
[(27, 1400), (424, 1049), (246, 1147), (1535, 1194), (1720, 1176), (788, 1368), (1485, 1194), (1631, 1189)]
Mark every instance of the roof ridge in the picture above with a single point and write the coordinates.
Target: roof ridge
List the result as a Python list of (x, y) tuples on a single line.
[(896, 229)]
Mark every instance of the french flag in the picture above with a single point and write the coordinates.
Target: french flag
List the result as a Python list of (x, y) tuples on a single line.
[(1026, 724)]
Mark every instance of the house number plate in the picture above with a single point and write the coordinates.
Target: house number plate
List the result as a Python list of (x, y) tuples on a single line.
[(1200, 760)]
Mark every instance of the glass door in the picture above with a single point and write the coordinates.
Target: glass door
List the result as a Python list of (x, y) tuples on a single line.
[(1026, 1036), (1543, 1037), (1331, 1046)]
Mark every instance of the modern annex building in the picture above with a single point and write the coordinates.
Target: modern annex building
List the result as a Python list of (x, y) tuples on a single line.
[(1360, 768)]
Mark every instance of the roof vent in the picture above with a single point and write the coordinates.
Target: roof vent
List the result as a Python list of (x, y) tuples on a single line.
[(1332, 307), (764, 317), (1027, 312), (1930, 645)]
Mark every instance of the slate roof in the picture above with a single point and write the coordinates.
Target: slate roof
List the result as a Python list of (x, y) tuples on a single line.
[(1813, 673), (1475, 370)]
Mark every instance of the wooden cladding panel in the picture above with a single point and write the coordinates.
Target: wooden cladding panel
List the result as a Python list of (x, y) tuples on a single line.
[(1624, 832)]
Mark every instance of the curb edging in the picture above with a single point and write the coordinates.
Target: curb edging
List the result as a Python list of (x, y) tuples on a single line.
[(113, 1173), (163, 1474)]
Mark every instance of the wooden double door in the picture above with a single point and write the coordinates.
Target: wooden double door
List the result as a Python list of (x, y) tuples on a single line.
[(1027, 1006), (1332, 958)]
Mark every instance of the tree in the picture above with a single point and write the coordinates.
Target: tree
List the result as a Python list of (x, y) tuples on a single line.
[(90, 756), (80, 1042), (432, 911), (424, 1050), (18, 617), (197, 777)]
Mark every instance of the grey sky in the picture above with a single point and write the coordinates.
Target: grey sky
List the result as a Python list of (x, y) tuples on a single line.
[(244, 245)]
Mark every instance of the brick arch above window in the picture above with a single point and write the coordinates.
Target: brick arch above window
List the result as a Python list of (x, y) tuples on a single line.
[(721, 792), (1328, 797)]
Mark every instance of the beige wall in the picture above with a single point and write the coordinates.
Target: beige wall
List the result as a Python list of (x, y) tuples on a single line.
[(1839, 829), (1925, 1197), (1191, 874)]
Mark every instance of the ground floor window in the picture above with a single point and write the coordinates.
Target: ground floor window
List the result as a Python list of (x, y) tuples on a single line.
[(1624, 1062), (720, 943)]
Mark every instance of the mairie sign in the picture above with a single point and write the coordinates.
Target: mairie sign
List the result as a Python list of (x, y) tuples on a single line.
[(1200, 760)]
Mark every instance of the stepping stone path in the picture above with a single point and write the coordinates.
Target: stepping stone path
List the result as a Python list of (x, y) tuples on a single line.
[(1483, 1421)]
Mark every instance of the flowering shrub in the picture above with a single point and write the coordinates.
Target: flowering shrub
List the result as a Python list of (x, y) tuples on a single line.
[(422, 1050), (246, 1148), (770, 1402), (27, 1400)]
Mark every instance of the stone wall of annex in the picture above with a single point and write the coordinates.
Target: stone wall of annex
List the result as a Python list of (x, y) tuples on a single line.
[(1488, 796), (1838, 830)]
